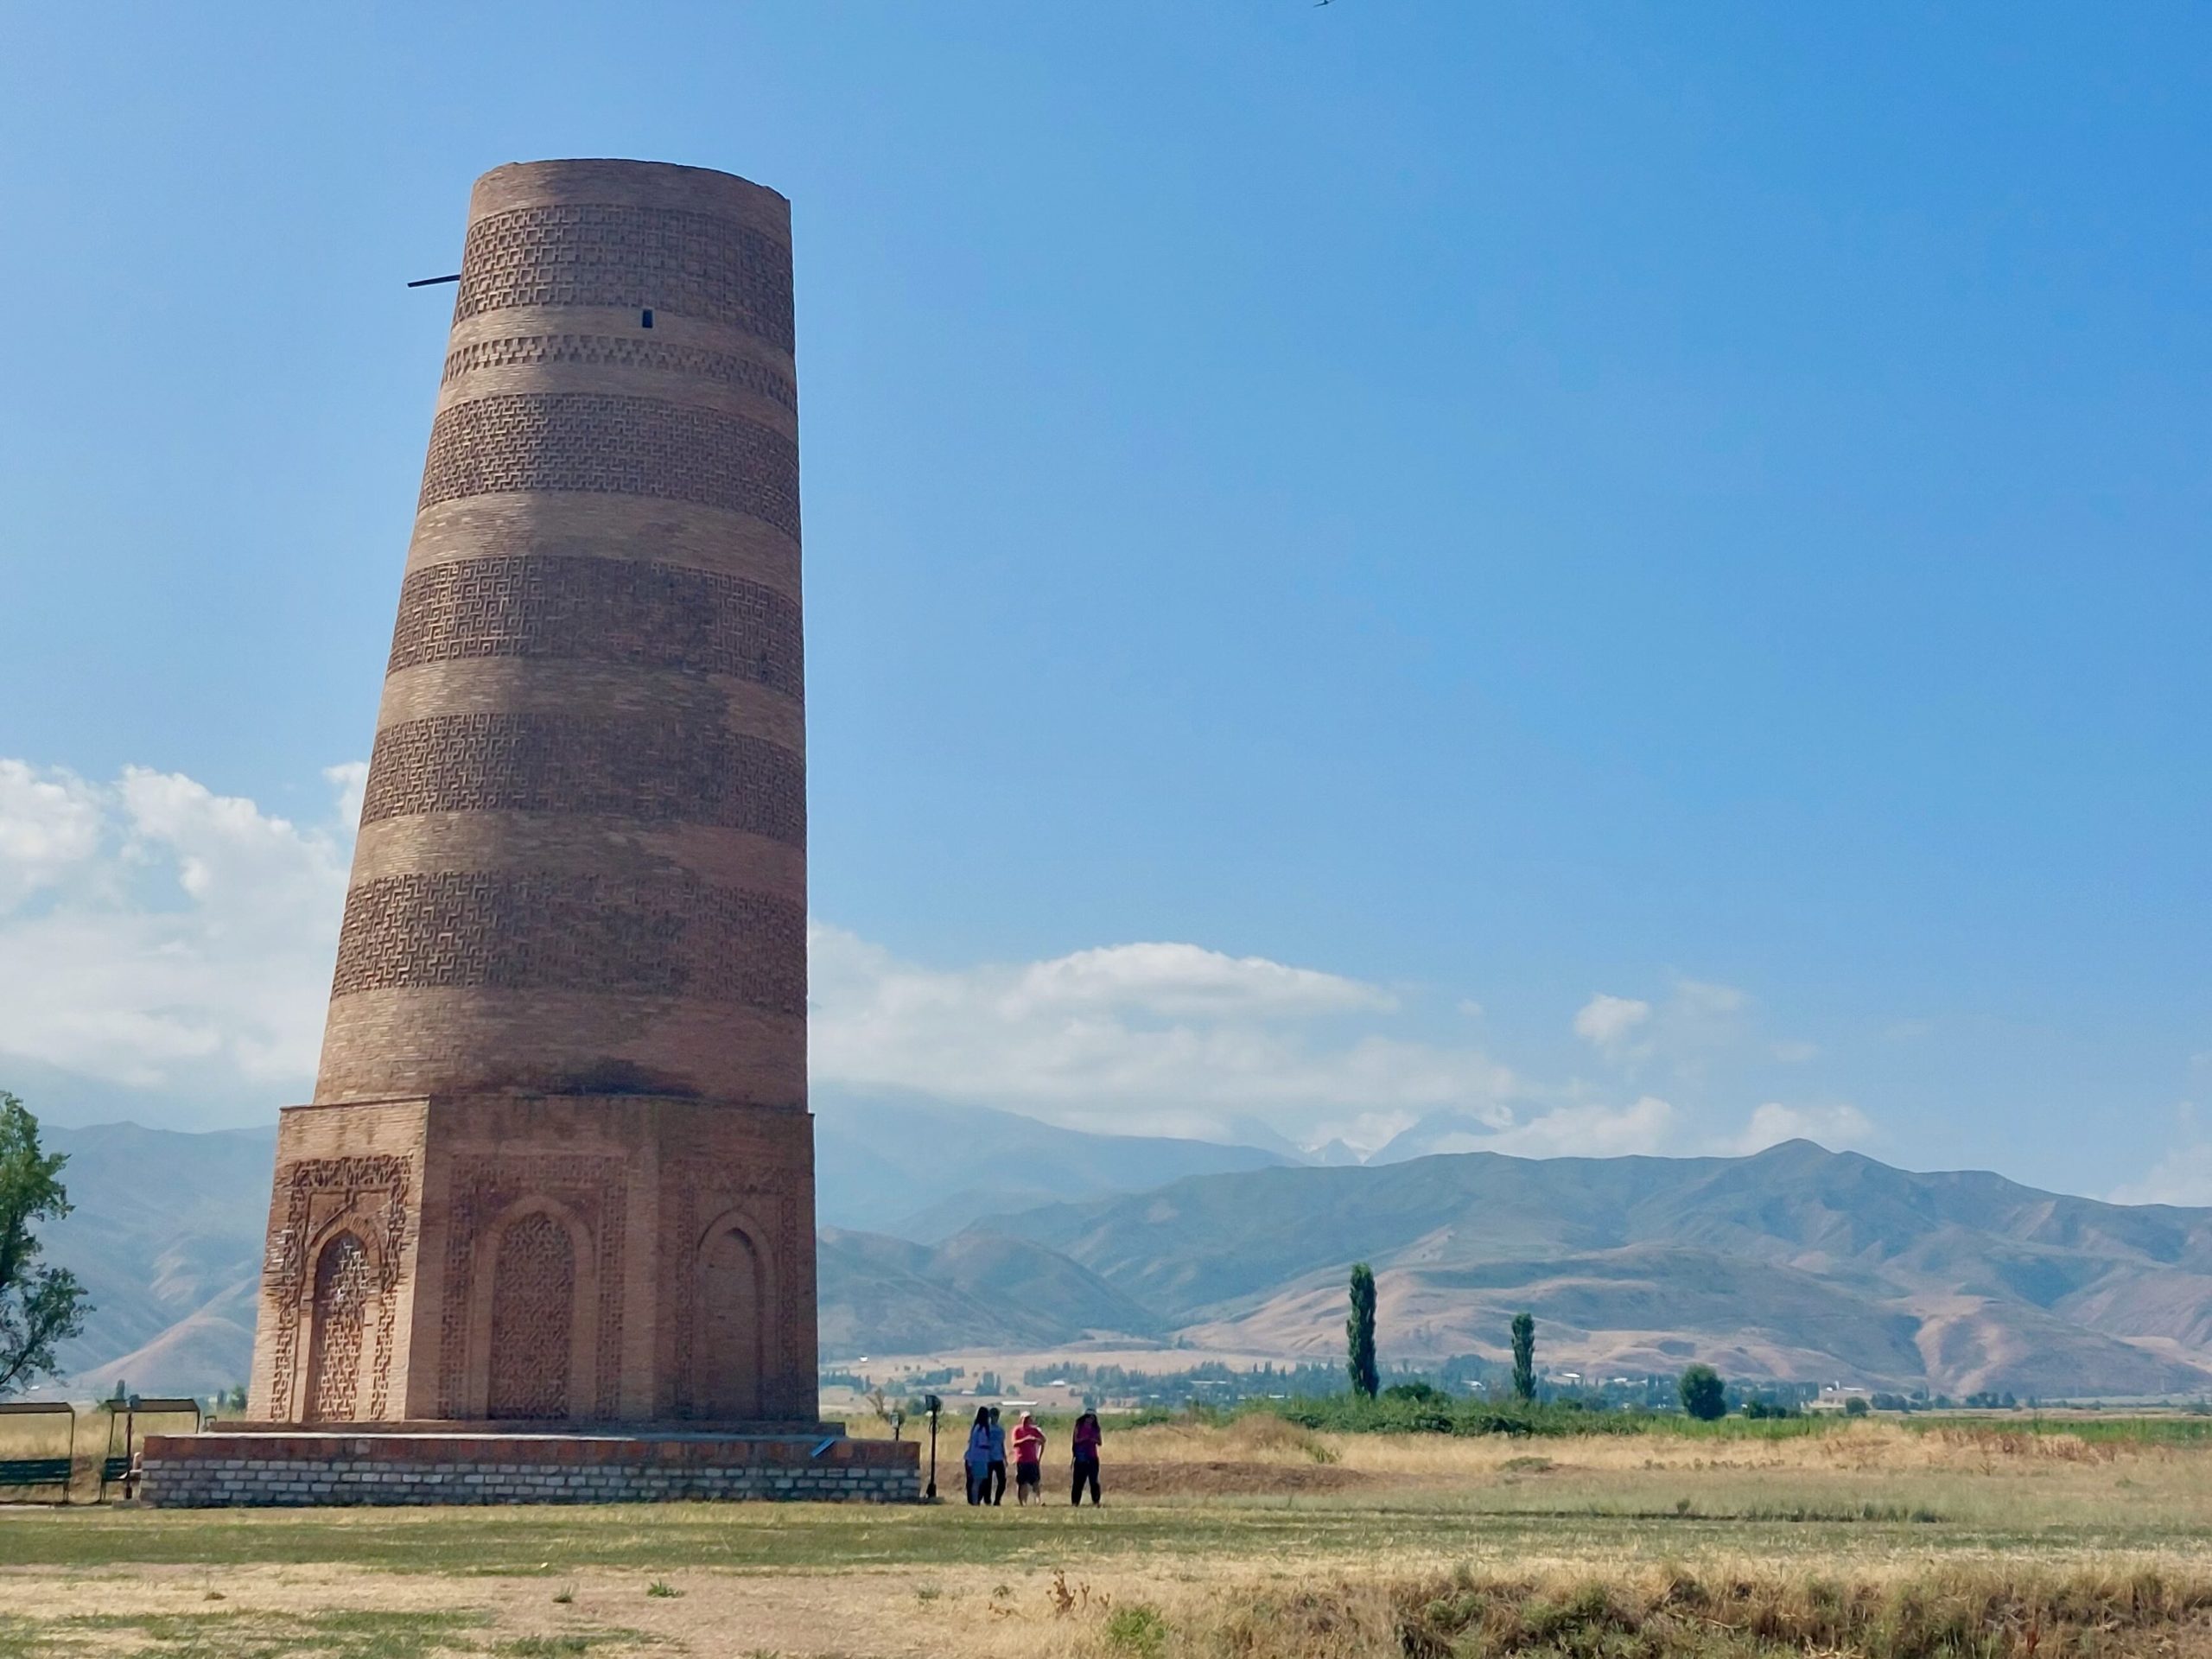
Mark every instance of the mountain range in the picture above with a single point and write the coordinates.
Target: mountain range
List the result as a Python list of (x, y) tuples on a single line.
[(1796, 1262), (955, 1229)]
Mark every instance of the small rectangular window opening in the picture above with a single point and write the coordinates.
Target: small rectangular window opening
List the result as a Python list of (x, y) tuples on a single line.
[(646, 320)]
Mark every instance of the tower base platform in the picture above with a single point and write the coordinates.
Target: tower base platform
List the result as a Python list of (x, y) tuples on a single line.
[(284, 1466)]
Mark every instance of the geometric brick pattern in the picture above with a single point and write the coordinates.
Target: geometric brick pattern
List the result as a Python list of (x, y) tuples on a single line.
[(693, 265), (599, 610), (608, 444), (619, 352), (533, 1306), (670, 768), (485, 1187), (671, 936), (342, 1283)]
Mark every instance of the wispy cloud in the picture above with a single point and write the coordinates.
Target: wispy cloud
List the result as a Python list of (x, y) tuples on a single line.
[(1607, 1023), (1160, 1038), (1646, 1124), (159, 938)]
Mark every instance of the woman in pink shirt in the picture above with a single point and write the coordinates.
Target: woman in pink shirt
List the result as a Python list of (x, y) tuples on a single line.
[(1028, 1458)]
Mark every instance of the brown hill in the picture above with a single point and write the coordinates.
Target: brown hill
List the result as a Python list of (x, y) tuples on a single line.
[(1796, 1263)]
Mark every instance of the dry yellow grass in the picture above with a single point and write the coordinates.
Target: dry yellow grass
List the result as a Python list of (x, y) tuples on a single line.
[(1251, 1539)]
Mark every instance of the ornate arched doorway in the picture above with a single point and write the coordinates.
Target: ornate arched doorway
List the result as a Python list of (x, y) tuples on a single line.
[(343, 1285)]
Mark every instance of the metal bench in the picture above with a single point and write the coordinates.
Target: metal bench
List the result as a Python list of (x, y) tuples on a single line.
[(34, 1472), (19, 1475)]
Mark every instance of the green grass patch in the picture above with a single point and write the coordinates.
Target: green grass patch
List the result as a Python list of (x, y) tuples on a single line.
[(346, 1634)]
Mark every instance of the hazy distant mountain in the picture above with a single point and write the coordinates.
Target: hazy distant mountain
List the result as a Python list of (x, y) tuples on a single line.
[(922, 1169), (167, 1235), (1797, 1263), (1333, 1154), (978, 1292), (1439, 1132)]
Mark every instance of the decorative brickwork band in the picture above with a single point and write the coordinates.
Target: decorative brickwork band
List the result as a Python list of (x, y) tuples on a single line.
[(601, 444), (675, 768), (599, 610), (590, 253), (619, 352), (673, 938)]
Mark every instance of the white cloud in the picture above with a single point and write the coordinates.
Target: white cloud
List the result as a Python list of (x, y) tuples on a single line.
[(1166, 1039), (48, 826), (1836, 1126), (158, 937), (1180, 981), (1703, 998), (154, 933), (1606, 1022), (1646, 1125), (2182, 1174)]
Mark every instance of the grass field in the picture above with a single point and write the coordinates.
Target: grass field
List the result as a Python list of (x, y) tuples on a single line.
[(1251, 1538)]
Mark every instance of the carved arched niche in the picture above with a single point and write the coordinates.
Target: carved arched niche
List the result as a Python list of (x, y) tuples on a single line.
[(533, 1317), (343, 1298), (735, 1308)]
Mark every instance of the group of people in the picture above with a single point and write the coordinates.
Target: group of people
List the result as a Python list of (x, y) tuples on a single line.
[(986, 1458)]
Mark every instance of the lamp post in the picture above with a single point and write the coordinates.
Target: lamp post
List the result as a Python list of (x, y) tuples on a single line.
[(932, 1404)]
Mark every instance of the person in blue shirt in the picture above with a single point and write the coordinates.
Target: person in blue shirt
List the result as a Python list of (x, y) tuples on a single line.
[(977, 1458)]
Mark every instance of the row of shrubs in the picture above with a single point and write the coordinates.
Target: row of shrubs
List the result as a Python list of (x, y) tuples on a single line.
[(1422, 1408)]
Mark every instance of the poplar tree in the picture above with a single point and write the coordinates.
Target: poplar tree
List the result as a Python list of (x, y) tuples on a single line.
[(1359, 1332), (1524, 1356)]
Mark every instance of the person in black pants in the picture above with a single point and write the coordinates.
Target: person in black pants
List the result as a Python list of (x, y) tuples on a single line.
[(994, 1473), (1087, 1437), (977, 1458)]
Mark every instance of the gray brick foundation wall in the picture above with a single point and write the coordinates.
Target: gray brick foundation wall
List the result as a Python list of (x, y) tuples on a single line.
[(245, 1471)]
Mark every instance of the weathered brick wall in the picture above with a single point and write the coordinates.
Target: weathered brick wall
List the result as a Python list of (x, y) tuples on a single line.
[(241, 1471)]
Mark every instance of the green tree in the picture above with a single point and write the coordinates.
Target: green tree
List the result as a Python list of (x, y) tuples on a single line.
[(1704, 1396), (1857, 1406), (1524, 1356), (1359, 1332), (39, 1306)]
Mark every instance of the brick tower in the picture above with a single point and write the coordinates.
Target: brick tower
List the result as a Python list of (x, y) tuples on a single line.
[(558, 1168)]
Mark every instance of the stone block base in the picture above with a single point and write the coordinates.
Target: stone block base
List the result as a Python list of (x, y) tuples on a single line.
[(307, 1468)]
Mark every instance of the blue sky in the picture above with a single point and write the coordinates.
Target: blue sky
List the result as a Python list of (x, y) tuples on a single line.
[(1488, 507)]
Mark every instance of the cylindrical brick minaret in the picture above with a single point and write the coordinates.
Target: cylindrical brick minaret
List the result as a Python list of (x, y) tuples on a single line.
[(581, 862), (558, 1166)]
